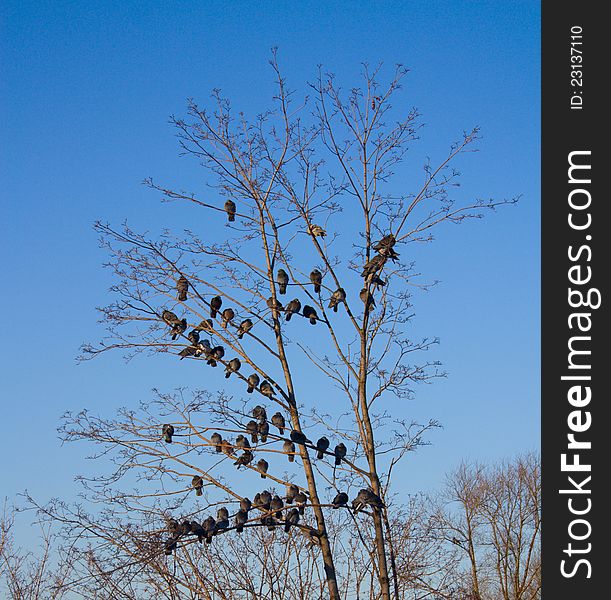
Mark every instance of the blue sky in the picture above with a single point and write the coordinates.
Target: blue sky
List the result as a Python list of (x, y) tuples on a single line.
[(86, 92)]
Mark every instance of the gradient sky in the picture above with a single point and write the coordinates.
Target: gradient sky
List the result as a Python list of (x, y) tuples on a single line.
[(86, 91)]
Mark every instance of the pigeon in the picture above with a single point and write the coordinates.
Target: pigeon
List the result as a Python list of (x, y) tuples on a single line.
[(289, 448), (316, 279), (227, 315), (265, 499), (283, 280), (193, 337), (366, 497), (179, 328), (341, 499), (339, 295), (222, 518), (216, 353), (230, 209), (257, 500), (367, 299), (321, 445), (245, 327), (209, 526), (184, 528), (233, 366), (253, 382), (263, 430), (167, 431), (217, 441), (245, 459), (206, 325), (310, 313), (227, 447), (197, 483), (259, 413), (376, 281), (292, 518), (294, 306), (215, 306), (299, 438), (301, 500), (269, 521), (278, 421), (253, 429), (242, 442), (198, 530), (240, 519), (169, 317), (373, 266), (340, 453), (245, 505), (263, 465), (277, 505), (386, 243), (203, 348), (275, 305), (291, 491), (266, 388), (188, 351), (170, 546), (316, 230), (182, 286)]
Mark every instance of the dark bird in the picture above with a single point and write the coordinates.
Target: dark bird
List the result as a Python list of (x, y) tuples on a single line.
[(279, 422), (277, 505), (193, 337), (317, 230), (269, 521), (209, 526), (170, 546), (240, 519), (373, 266), (368, 299), (340, 499), (233, 366), (253, 382), (169, 317), (179, 328), (291, 491), (245, 504), (294, 306), (259, 413), (217, 441), (215, 306), (206, 325), (203, 348), (227, 315), (257, 500), (182, 286), (242, 442), (198, 530), (266, 388), (386, 243), (263, 430), (263, 465), (366, 497), (253, 429), (188, 351), (245, 327), (299, 438), (376, 281), (321, 445), (245, 459), (339, 295), (227, 447), (275, 305), (310, 313), (216, 353), (283, 280), (316, 279), (222, 518), (292, 518), (230, 209), (167, 431), (184, 528), (301, 500), (265, 499), (340, 453), (197, 483), (289, 448)]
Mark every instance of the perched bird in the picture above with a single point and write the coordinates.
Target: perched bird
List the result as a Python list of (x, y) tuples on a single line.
[(222, 518), (277, 505), (188, 351), (253, 382), (184, 528), (233, 366), (178, 328), (259, 413), (275, 305), (291, 491), (386, 243), (203, 348), (257, 500), (265, 499), (167, 431), (340, 499), (209, 526), (301, 500), (215, 306), (321, 445), (279, 422), (316, 230), (242, 442), (240, 519), (217, 441), (316, 279), (368, 299), (245, 504), (283, 280), (269, 521), (193, 337), (263, 430), (292, 518), (227, 447), (170, 546), (339, 295), (366, 497), (206, 325), (245, 459), (245, 327), (266, 388), (376, 281), (182, 287), (169, 317), (289, 448), (253, 429), (294, 306), (197, 483), (216, 353), (299, 437), (230, 209), (373, 266), (198, 530), (310, 313), (227, 315), (262, 465), (340, 453)]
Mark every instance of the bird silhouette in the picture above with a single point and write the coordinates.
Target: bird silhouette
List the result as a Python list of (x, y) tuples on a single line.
[(253, 429), (198, 530), (262, 466), (227, 447), (216, 353), (215, 306), (386, 243), (321, 445), (245, 459), (253, 382), (263, 427), (222, 518), (227, 316), (245, 326), (269, 521), (169, 317), (300, 500), (217, 441), (340, 453), (373, 266), (366, 497), (289, 448), (277, 505), (339, 295), (292, 518), (209, 527), (178, 328), (167, 431), (279, 422), (206, 325), (294, 306), (316, 279), (188, 351), (245, 504), (368, 299), (376, 281), (233, 366), (230, 209), (266, 388), (193, 337), (265, 499), (317, 230), (291, 491), (310, 313), (275, 305), (299, 437), (182, 287), (242, 442), (197, 483), (240, 519), (259, 413), (283, 280), (341, 499)]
